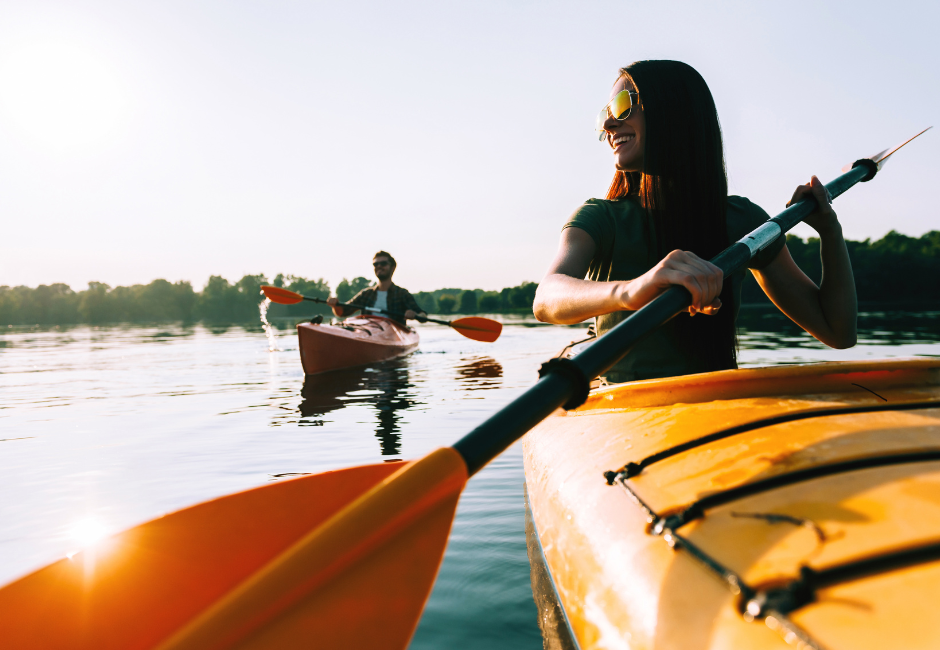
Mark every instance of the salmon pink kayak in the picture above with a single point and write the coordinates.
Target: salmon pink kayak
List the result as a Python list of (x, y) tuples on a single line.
[(356, 341)]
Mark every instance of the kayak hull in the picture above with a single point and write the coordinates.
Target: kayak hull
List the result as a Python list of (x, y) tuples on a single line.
[(855, 480), (357, 341)]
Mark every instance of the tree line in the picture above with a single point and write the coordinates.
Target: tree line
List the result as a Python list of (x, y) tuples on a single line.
[(896, 270), (220, 301)]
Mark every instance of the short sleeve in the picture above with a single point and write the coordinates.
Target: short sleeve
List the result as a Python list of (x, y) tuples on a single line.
[(743, 217), (593, 218)]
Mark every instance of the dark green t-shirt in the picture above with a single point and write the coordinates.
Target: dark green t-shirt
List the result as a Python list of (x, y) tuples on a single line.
[(621, 231)]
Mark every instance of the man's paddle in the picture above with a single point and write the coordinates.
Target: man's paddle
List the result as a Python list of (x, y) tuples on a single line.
[(473, 327), (342, 559)]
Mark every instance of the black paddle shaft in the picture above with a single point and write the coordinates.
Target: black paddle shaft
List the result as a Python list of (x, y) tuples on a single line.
[(565, 382)]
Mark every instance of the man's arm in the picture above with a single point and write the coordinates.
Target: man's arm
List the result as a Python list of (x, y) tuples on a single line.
[(339, 312), (413, 309)]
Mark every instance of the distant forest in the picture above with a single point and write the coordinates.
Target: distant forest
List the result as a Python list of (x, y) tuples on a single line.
[(895, 271)]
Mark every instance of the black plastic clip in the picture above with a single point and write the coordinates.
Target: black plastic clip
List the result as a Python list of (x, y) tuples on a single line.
[(628, 471), (785, 599), (571, 371), (673, 522)]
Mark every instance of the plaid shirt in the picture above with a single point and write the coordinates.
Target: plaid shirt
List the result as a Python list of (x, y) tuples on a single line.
[(399, 300)]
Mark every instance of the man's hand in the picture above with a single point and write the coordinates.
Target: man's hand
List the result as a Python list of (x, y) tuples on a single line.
[(338, 311), (410, 314)]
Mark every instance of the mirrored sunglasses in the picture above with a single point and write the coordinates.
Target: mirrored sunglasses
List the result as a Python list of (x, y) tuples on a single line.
[(618, 108)]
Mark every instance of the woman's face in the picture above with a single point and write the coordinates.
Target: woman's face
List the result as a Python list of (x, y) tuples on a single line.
[(627, 137)]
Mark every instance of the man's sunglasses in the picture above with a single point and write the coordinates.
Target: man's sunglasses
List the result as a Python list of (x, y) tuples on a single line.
[(618, 108), (382, 263)]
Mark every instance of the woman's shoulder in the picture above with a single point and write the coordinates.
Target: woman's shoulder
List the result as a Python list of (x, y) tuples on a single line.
[(603, 211), (602, 219), (741, 206), (612, 207)]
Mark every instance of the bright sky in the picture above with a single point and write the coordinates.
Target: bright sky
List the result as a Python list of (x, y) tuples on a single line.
[(178, 139)]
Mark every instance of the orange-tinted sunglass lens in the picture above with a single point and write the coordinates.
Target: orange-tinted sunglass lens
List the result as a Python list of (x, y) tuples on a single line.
[(618, 108), (621, 104)]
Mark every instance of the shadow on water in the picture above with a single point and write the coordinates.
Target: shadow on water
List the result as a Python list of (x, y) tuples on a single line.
[(386, 387)]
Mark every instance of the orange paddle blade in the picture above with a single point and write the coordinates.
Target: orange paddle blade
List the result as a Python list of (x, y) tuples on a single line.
[(347, 558), (478, 329), (282, 296)]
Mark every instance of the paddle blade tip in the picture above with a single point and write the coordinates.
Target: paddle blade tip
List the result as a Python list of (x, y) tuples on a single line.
[(281, 296), (478, 329)]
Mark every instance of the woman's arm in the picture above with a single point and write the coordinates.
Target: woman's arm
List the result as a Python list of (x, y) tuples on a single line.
[(564, 297), (830, 311)]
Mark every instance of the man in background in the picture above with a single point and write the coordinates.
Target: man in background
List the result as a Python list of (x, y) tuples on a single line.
[(385, 296)]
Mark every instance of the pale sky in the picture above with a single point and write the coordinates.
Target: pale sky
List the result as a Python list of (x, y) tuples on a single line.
[(179, 139)]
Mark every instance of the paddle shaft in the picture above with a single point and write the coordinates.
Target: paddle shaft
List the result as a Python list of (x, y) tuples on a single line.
[(555, 389), (393, 314)]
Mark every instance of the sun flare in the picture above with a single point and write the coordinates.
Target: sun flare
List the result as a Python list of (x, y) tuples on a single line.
[(60, 95), (87, 532)]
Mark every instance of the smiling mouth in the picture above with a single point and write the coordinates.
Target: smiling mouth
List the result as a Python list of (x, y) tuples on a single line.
[(629, 137)]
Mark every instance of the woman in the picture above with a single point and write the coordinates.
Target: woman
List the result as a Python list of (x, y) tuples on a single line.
[(667, 211)]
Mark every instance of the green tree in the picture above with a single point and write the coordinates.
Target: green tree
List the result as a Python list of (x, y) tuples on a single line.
[(523, 296), (468, 302), (446, 303), (490, 303), (217, 301), (426, 301), (505, 298), (247, 298), (312, 288), (94, 305), (346, 289)]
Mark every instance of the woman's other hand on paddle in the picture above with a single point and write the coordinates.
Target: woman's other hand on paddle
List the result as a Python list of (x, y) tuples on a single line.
[(702, 279), (823, 219)]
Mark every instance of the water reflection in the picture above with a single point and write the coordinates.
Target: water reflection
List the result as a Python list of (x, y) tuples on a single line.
[(386, 387), (480, 373)]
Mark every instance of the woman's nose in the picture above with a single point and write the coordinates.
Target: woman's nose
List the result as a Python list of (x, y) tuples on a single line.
[(610, 124)]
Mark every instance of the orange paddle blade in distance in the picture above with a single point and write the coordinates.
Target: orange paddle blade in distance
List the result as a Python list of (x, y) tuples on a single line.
[(282, 296), (478, 329)]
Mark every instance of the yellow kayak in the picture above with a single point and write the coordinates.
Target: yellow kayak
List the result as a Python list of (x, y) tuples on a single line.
[(792, 506)]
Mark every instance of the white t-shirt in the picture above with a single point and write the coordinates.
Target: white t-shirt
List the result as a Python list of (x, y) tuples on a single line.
[(381, 300)]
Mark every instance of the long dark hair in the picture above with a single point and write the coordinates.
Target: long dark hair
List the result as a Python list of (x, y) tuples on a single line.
[(684, 188)]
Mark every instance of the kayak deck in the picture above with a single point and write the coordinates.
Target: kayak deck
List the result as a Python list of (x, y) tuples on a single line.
[(806, 497), (357, 341)]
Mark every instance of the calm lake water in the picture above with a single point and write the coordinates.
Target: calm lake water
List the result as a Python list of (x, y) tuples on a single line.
[(103, 428)]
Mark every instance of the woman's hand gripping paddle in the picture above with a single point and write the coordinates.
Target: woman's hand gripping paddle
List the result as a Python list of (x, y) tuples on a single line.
[(341, 559), (473, 327)]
